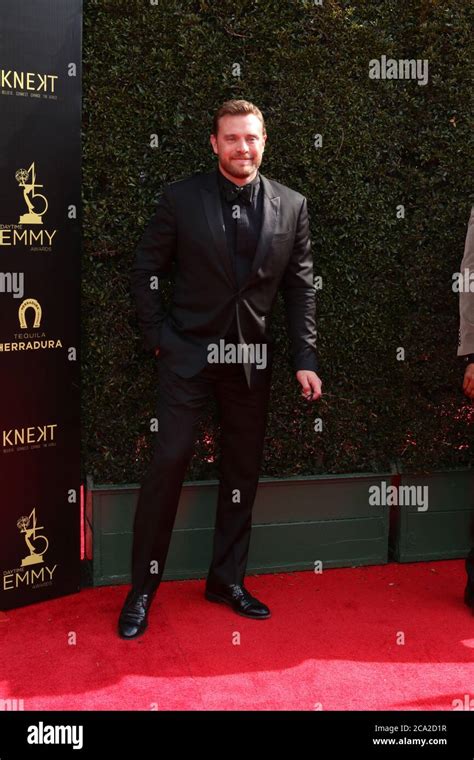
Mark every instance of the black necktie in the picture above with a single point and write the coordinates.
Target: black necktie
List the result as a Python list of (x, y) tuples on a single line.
[(242, 193)]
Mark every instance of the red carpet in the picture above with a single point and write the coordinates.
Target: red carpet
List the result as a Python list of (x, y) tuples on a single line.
[(330, 644)]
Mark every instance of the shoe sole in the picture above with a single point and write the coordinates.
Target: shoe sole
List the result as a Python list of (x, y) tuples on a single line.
[(222, 600)]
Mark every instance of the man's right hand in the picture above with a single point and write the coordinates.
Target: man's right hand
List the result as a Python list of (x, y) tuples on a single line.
[(468, 384), (157, 351)]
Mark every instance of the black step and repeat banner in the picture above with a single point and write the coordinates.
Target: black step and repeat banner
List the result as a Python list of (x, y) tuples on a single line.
[(40, 174)]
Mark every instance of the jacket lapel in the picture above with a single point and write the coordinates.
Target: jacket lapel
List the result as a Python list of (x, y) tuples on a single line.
[(213, 210), (212, 206), (270, 211)]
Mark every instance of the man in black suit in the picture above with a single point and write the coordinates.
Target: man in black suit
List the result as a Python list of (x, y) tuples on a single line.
[(466, 353), (234, 237)]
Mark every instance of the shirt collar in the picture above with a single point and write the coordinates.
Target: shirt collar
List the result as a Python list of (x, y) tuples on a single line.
[(223, 181)]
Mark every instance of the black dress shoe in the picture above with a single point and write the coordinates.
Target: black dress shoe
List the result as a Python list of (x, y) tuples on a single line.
[(469, 590), (239, 598), (133, 620), (469, 596)]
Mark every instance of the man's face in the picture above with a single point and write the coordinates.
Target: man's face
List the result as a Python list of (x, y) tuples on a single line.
[(239, 145)]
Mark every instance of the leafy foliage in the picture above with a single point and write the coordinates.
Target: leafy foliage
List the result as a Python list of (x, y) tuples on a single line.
[(164, 69)]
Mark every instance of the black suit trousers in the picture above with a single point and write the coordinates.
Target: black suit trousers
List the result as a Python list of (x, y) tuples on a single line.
[(243, 417)]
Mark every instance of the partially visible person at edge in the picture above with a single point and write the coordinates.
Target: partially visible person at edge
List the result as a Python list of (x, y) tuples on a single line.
[(466, 352)]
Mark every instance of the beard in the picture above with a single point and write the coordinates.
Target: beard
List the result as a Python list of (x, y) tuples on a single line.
[(239, 169)]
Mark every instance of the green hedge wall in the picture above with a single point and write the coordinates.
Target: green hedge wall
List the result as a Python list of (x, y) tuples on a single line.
[(164, 69)]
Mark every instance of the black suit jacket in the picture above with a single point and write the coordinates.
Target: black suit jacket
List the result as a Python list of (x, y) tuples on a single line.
[(187, 234)]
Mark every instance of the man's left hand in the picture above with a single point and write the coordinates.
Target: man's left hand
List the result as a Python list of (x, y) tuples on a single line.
[(310, 384)]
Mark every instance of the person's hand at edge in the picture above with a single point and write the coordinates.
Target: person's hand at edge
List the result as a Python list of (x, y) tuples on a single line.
[(468, 384), (310, 384)]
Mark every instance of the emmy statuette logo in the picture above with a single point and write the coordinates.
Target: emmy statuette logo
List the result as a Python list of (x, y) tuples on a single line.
[(26, 179), (36, 542), (33, 573), (29, 232)]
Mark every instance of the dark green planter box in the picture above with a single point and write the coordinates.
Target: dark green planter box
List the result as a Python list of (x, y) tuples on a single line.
[(444, 530), (295, 523)]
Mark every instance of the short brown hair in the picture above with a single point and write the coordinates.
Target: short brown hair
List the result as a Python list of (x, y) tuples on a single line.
[(235, 107)]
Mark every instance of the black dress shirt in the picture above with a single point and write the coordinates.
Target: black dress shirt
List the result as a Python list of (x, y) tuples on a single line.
[(242, 222)]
